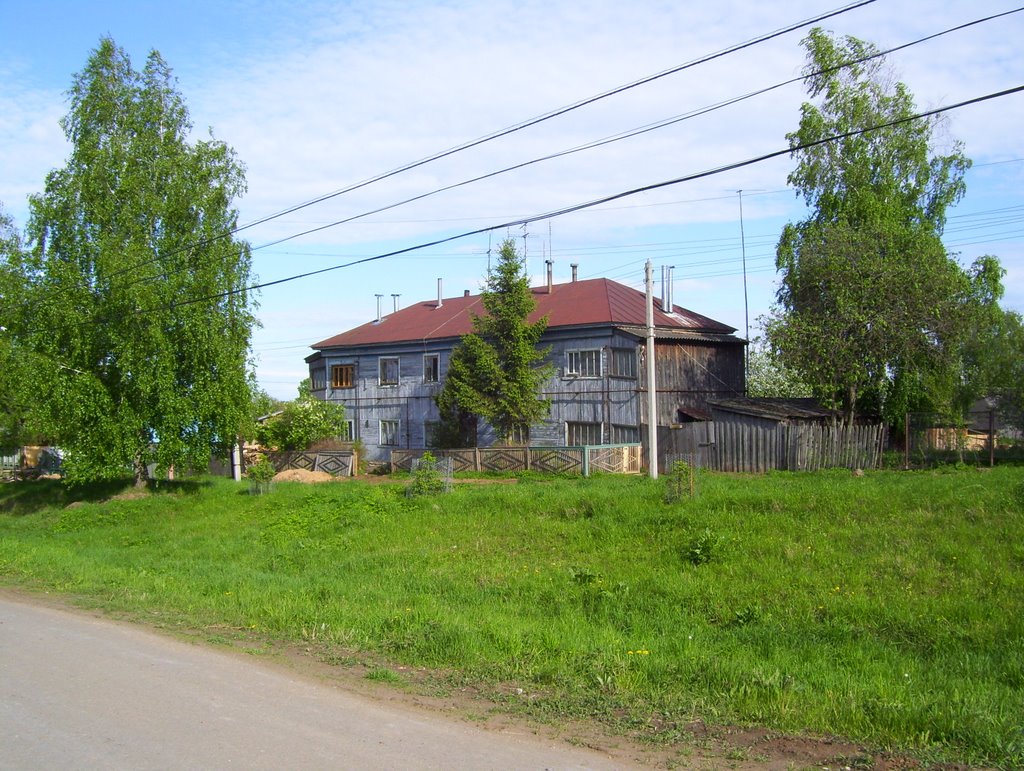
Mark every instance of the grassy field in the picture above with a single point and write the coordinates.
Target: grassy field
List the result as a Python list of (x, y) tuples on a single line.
[(888, 608)]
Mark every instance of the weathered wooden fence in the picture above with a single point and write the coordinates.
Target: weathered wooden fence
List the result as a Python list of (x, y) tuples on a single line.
[(795, 446), (614, 459)]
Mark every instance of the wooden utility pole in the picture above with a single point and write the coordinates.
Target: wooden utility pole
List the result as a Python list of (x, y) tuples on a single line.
[(652, 391)]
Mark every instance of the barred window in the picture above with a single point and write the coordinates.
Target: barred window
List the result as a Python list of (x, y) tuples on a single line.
[(622, 362), (577, 434), (318, 379), (625, 434), (586, 363)]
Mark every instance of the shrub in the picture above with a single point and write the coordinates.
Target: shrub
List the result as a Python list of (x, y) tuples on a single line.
[(428, 478)]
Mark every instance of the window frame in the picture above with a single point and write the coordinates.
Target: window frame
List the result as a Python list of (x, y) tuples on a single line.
[(616, 356), (338, 384), (429, 428), (397, 433), (436, 368), (618, 427), (580, 354), (580, 424), (381, 361), (318, 379)]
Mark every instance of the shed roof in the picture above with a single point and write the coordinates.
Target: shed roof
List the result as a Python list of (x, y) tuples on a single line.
[(774, 409), (576, 303)]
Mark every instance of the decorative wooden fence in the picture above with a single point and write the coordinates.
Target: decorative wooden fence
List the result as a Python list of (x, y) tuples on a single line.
[(336, 462), (615, 459)]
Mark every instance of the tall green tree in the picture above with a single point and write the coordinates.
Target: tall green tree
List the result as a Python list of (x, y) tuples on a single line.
[(496, 372), (993, 355), (871, 309), (16, 389), (135, 290)]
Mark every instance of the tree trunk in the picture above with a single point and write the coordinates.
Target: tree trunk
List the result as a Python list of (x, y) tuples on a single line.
[(141, 472), (851, 405)]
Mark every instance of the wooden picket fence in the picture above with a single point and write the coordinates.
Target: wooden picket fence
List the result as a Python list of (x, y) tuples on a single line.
[(612, 459), (757, 448)]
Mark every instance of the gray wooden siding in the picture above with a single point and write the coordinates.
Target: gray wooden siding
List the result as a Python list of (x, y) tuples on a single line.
[(688, 373)]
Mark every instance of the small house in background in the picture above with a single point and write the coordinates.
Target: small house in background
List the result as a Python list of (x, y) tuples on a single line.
[(388, 371)]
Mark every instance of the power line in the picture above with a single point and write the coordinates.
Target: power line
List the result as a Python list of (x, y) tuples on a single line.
[(512, 129), (564, 110), (614, 138), (605, 199)]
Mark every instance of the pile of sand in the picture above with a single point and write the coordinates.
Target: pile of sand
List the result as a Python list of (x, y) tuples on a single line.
[(301, 475)]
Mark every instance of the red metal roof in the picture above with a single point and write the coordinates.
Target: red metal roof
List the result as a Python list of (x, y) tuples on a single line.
[(592, 302)]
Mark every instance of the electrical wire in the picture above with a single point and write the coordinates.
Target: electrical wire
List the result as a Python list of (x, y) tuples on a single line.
[(604, 141), (512, 129), (605, 199)]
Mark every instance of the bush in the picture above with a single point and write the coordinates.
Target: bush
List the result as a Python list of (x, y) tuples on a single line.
[(428, 478), (262, 471)]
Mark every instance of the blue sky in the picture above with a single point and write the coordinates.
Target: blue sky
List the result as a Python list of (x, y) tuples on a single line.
[(316, 96)]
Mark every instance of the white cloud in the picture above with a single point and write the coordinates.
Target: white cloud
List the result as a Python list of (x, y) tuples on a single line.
[(331, 95)]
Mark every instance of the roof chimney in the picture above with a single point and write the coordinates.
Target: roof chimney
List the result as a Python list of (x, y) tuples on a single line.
[(440, 302), (379, 296), (394, 298), (574, 266), (550, 270), (465, 293), (671, 290)]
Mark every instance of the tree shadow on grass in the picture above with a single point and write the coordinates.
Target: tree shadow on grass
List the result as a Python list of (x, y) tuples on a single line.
[(30, 496)]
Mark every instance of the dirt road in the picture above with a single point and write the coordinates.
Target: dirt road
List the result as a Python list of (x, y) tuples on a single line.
[(84, 692)]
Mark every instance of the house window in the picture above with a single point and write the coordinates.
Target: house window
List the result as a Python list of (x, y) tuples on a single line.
[(625, 434), (389, 433), (430, 432), (431, 368), (317, 379), (577, 434), (349, 432), (388, 370), (583, 363), (343, 376), (622, 363)]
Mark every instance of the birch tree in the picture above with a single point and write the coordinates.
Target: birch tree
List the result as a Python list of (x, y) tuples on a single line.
[(135, 288)]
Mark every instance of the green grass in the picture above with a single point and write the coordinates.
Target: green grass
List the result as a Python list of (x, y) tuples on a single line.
[(888, 608)]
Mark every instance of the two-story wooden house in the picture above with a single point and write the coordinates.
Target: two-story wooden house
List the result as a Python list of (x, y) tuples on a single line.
[(387, 372)]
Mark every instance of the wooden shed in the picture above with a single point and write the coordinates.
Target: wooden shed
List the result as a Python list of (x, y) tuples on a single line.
[(759, 435)]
